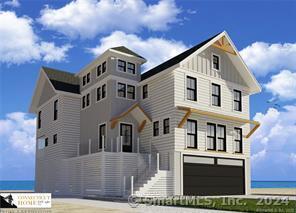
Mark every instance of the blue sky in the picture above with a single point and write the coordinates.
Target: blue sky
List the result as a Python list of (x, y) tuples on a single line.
[(54, 34)]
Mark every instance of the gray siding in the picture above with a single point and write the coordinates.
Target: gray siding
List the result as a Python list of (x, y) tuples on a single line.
[(47, 93)]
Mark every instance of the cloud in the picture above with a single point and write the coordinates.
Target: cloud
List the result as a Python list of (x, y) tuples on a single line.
[(88, 18), (155, 50), (19, 43), (283, 85), (293, 158), (263, 58), (273, 144), (12, 3), (19, 130)]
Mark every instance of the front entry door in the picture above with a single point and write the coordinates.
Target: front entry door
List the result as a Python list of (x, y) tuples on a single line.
[(126, 131)]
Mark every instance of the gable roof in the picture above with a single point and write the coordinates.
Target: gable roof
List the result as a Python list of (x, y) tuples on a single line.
[(175, 60), (123, 49), (62, 80)]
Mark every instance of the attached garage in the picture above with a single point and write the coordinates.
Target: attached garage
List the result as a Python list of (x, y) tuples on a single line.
[(213, 176)]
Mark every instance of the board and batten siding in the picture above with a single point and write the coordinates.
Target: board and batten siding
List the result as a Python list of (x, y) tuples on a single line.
[(204, 94)]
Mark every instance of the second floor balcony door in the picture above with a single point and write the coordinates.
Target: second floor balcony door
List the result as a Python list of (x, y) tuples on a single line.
[(126, 131)]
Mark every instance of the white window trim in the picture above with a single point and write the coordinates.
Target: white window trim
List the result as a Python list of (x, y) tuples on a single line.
[(212, 62), (226, 136), (106, 135), (197, 133), (126, 63), (86, 78), (170, 129), (185, 88), (234, 142), (232, 95), (101, 86), (159, 129), (221, 101), (126, 98), (148, 97), (89, 101)]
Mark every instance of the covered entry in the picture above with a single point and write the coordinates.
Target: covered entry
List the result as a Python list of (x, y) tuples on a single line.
[(213, 176)]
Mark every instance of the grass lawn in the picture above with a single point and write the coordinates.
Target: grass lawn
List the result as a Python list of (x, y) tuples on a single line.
[(230, 204)]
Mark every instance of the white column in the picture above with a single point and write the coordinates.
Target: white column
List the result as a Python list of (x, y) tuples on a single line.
[(89, 146), (117, 144), (123, 190), (111, 144), (103, 143), (121, 138), (157, 162), (132, 185), (138, 145)]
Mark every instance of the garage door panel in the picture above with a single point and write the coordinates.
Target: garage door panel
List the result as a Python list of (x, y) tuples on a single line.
[(213, 181), (207, 170), (203, 191)]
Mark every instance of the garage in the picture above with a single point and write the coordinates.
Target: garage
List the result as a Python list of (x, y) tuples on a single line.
[(213, 176)]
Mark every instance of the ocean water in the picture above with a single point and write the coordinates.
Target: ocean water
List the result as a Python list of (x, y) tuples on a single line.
[(29, 184)]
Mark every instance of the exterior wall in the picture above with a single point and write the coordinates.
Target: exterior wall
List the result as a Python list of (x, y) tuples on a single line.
[(47, 93)]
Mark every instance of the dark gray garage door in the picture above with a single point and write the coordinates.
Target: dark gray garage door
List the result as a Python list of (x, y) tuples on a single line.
[(214, 178)]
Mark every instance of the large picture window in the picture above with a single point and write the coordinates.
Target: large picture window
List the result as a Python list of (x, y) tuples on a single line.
[(191, 89), (191, 133), (216, 95)]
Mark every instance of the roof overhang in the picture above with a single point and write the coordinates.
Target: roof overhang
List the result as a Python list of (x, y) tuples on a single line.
[(189, 111), (138, 114)]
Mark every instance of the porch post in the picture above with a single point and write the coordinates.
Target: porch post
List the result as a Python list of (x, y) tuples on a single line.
[(117, 144), (103, 143), (157, 162), (121, 138), (123, 191), (138, 145), (132, 185)]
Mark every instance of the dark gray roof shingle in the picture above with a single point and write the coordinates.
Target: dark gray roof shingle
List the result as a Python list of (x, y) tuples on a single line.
[(177, 59), (127, 51), (62, 80)]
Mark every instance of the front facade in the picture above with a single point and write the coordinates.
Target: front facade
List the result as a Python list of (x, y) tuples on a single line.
[(181, 128)]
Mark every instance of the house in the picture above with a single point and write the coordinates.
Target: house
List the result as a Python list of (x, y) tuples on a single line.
[(181, 128)]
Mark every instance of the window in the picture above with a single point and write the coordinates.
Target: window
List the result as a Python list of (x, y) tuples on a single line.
[(39, 120), (85, 100), (84, 80), (211, 136), (237, 98), (131, 68), (102, 133), (55, 110), (104, 91), (88, 78), (55, 138), (191, 134), (131, 92), (221, 138), (121, 65), (99, 70), (166, 126), (191, 89), (216, 62), (41, 143), (238, 140), (145, 91), (101, 92), (46, 142), (216, 95), (104, 67), (121, 90), (156, 128)]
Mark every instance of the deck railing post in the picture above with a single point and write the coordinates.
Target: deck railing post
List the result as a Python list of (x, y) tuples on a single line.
[(89, 146), (121, 138), (111, 144), (157, 162), (138, 145), (103, 143), (132, 185), (123, 190)]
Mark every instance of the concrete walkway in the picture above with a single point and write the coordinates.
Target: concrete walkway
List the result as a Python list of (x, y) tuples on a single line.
[(74, 205)]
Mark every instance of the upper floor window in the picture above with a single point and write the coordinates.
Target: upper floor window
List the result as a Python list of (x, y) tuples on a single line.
[(39, 120), (86, 79), (215, 62), (211, 136), (86, 100), (46, 142), (156, 128), (55, 138), (41, 143), (191, 133), (221, 137), (121, 90), (121, 65), (126, 91), (237, 100), (131, 68), (191, 89), (216, 95), (99, 70), (101, 92), (55, 110), (145, 91), (166, 126), (238, 139), (104, 67)]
